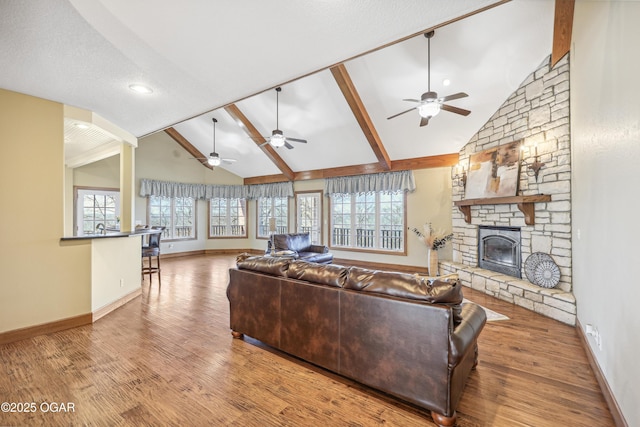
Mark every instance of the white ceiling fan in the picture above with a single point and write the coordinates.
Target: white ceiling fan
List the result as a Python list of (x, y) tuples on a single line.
[(429, 105), (214, 158), (277, 138)]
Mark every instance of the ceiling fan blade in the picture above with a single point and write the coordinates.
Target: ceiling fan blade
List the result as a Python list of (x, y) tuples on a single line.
[(303, 141), (412, 100), (406, 111), (456, 110), (454, 96), (264, 143), (229, 161), (424, 121), (289, 146)]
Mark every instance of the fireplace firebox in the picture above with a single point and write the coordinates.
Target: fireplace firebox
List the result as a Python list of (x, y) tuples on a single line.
[(499, 249)]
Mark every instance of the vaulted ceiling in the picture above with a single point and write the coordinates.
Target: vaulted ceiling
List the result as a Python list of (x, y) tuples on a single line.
[(343, 66)]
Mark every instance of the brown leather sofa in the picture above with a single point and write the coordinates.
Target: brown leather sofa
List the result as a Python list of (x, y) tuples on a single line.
[(399, 333), (300, 244)]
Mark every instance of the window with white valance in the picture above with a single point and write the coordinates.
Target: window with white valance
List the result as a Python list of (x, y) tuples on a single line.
[(368, 212), (388, 182), (150, 187)]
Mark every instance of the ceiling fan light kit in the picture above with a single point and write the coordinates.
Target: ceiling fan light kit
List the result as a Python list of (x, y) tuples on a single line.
[(429, 109), (277, 138), (214, 159)]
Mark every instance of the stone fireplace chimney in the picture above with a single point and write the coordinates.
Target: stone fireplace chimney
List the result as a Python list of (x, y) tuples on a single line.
[(538, 113)]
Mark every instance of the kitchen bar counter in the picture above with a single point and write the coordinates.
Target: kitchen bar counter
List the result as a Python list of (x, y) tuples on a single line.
[(114, 234)]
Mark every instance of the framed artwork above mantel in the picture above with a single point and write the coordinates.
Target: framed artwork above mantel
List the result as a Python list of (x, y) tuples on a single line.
[(494, 172)]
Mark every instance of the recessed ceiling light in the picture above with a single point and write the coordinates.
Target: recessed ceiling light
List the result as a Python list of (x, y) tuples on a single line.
[(81, 125), (446, 82), (140, 88)]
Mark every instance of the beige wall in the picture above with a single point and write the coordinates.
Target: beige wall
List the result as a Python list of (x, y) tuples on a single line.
[(42, 279), (605, 110), (101, 174), (115, 269)]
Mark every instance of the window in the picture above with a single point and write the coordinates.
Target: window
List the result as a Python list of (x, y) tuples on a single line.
[(227, 217), (309, 215), (177, 214), (274, 207), (96, 210), (369, 221)]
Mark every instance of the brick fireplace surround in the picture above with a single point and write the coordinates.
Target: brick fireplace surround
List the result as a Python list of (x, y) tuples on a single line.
[(538, 113)]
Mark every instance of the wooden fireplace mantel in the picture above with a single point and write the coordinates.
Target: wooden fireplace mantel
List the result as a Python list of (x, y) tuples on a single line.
[(526, 204)]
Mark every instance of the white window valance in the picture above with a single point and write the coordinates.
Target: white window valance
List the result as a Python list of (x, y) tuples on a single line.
[(150, 187), (376, 182)]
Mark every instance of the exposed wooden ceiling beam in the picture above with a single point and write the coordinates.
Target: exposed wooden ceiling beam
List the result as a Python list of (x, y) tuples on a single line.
[(184, 143), (562, 28), (342, 77), (439, 161), (253, 133), (396, 165)]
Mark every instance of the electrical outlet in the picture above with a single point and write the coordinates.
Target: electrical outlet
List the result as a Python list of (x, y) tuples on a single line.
[(598, 339), (591, 330), (122, 283)]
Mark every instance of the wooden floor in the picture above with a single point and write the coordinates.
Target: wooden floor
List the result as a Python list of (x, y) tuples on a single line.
[(168, 358)]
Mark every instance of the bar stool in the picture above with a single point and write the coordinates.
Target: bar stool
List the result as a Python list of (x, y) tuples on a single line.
[(150, 250)]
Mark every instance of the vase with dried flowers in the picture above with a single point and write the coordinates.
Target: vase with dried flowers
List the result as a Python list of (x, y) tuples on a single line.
[(433, 240)]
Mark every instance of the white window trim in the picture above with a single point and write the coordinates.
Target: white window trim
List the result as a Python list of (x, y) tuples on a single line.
[(352, 232), (267, 235), (316, 235), (80, 192), (228, 216), (169, 232)]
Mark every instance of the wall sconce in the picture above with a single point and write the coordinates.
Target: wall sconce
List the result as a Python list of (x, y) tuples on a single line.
[(458, 175), (533, 167)]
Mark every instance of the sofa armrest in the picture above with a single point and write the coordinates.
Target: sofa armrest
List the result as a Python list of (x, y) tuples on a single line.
[(466, 333), (321, 249)]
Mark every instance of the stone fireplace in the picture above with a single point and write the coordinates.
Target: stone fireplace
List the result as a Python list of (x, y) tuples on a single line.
[(538, 114), (499, 249)]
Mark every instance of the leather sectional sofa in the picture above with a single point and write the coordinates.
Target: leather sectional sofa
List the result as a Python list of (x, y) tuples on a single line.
[(402, 334)]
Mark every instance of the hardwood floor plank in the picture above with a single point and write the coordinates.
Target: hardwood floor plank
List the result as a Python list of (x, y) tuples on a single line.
[(168, 358)]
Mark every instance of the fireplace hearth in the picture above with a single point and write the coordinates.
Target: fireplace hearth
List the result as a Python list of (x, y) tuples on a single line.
[(499, 249)]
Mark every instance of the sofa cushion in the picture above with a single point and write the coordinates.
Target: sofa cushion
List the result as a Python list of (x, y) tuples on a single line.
[(275, 266), (298, 242), (404, 285), (324, 274)]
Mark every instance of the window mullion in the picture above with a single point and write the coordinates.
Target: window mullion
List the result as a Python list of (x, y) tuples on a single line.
[(353, 225), (173, 218), (377, 235), (228, 229)]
